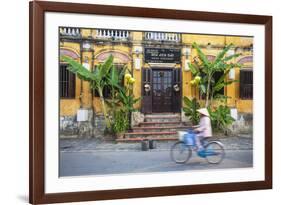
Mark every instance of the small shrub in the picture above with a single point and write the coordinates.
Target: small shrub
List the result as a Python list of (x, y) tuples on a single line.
[(120, 123), (221, 118)]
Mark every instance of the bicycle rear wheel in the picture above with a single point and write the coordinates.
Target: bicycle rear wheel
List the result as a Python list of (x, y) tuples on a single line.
[(214, 152), (180, 153)]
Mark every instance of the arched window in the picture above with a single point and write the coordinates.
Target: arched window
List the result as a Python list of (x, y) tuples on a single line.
[(120, 60), (66, 78)]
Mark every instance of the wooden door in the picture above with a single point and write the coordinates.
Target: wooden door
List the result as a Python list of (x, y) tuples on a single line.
[(162, 90)]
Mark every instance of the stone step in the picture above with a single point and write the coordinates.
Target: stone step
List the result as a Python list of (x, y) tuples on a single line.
[(149, 135), (162, 118), (163, 124), (163, 115), (160, 128), (138, 139)]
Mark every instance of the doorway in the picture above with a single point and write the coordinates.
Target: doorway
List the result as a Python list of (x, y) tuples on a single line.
[(162, 90)]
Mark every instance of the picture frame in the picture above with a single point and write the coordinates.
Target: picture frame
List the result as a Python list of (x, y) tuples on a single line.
[(37, 89)]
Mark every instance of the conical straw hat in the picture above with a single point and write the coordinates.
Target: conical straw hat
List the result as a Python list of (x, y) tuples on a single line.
[(204, 111)]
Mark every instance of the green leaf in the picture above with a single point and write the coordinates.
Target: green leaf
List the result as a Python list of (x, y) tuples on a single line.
[(190, 109), (122, 73), (78, 69), (105, 67), (113, 78), (187, 101), (203, 88), (219, 86), (194, 70), (222, 78), (228, 58), (202, 56), (220, 96), (222, 54)]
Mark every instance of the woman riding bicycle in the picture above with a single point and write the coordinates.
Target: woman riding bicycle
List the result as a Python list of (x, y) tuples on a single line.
[(204, 129), (190, 140)]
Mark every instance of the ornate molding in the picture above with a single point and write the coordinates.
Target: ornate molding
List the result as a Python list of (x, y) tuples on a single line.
[(245, 59), (122, 57), (69, 52)]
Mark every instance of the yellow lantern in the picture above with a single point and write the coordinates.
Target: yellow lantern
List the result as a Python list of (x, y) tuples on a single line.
[(197, 79), (132, 80), (128, 76)]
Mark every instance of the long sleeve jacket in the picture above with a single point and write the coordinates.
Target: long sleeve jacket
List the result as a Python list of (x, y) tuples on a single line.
[(205, 127)]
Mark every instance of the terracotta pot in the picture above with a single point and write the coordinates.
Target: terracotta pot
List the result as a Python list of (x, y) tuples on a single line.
[(120, 135)]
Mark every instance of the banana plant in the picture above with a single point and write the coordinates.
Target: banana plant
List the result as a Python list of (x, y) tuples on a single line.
[(115, 78), (127, 99), (98, 79), (206, 69), (190, 109)]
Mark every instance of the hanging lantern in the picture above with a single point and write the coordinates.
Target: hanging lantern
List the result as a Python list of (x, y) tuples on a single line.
[(176, 88), (147, 88)]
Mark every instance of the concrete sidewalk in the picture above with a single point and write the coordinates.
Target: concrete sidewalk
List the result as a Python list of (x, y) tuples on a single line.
[(92, 145)]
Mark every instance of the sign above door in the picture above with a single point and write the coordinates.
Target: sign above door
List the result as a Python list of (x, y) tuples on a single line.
[(162, 55)]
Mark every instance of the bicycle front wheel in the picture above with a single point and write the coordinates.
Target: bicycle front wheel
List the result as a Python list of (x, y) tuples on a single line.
[(214, 152), (180, 153)]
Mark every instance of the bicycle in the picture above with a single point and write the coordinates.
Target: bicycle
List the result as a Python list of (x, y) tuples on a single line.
[(181, 151)]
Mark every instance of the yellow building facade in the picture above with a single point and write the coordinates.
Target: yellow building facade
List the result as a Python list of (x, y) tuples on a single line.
[(157, 60)]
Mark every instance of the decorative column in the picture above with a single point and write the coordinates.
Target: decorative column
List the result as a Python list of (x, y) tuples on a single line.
[(230, 90), (187, 75), (137, 59), (87, 55)]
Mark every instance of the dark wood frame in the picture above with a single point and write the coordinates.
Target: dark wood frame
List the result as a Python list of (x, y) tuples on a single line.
[(37, 95)]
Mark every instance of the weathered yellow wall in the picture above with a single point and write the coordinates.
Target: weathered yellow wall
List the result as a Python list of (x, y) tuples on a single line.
[(97, 104), (69, 106), (203, 39), (239, 41), (137, 39), (86, 32), (245, 106)]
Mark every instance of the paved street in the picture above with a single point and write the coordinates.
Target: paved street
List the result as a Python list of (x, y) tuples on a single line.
[(92, 144), (87, 162)]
